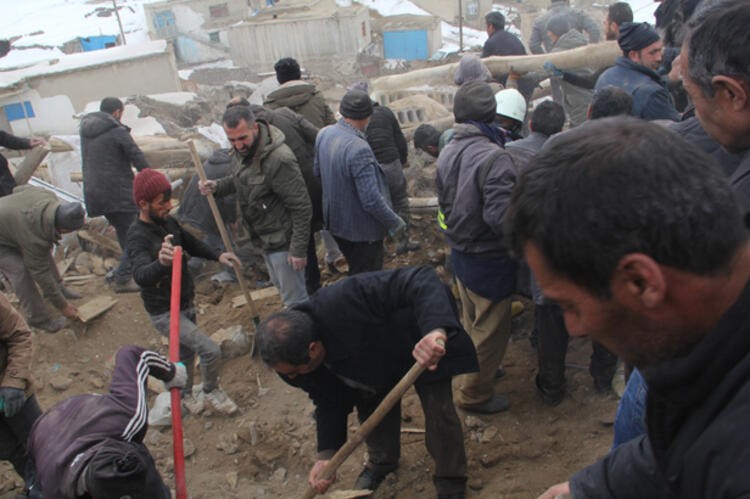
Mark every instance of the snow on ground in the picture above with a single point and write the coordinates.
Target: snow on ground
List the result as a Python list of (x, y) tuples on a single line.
[(393, 7), (21, 58), (224, 63), (176, 98)]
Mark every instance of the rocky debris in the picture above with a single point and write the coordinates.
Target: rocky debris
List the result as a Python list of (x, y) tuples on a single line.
[(248, 432), (60, 382), (83, 263), (228, 443), (279, 475), (475, 483), (188, 446), (488, 434), (232, 479), (474, 423), (234, 341)]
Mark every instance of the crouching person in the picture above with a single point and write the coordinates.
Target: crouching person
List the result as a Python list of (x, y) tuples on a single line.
[(352, 342), (91, 446), (19, 408), (150, 244)]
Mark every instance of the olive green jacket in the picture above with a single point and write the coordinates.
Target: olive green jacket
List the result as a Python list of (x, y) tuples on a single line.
[(28, 230), (272, 195)]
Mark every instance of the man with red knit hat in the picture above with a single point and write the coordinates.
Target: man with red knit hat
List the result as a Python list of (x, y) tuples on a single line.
[(150, 245)]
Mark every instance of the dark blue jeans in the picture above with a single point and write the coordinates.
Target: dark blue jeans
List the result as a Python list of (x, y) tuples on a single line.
[(630, 420)]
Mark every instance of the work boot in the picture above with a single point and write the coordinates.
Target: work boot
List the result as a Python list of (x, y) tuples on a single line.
[(128, 286), (369, 479), (407, 246), (498, 403), (50, 325), (220, 401), (70, 294), (550, 396)]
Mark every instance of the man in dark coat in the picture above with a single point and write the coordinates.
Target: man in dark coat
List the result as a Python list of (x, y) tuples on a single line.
[(107, 153), (352, 342), (92, 445), (7, 182), (635, 72), (501, 42), (630, 274)]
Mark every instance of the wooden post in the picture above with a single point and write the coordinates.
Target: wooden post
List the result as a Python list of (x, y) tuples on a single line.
[(225, 236)]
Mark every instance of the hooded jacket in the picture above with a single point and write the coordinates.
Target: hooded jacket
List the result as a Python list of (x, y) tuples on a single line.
[(577, 18), (272, 195), (194, 208), (28, 221), (303, 98), (575, 99), (107, 152)]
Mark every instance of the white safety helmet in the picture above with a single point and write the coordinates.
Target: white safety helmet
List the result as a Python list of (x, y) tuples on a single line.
[(510, 103)]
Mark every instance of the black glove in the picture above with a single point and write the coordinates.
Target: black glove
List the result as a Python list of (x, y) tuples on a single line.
[(13, 399)]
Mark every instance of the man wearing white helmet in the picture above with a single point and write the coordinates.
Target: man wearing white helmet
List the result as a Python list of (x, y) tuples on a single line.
[(510, 112)]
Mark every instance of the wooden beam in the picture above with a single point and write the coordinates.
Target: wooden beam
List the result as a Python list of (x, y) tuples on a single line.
[(95, 308), (102, 241), (258, 294)]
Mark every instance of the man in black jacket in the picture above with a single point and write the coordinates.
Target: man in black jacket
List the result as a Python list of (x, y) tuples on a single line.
[(150, 244), (107, 153), (7, 182), (352, 342), (641, 240)]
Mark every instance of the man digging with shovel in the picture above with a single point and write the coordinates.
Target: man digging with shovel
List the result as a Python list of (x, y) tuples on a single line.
[(352, 342)]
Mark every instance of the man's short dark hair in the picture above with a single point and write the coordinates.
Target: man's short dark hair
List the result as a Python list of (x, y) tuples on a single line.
[(719, 44), (235, 114), (111, 104), (620, 12), (426, 135), (287, 69), (548, 118), (238, 101), (610, 101), (625, 186), (285, 337), (496, 19)]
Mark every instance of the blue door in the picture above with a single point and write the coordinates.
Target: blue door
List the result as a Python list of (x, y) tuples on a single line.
[(408, 45)]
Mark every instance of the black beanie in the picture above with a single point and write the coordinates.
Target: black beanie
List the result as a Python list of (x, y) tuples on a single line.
[(356, 105), (558, 25), (636, 36), (121, 468), (474, 101), (69, 216), (287, 69)]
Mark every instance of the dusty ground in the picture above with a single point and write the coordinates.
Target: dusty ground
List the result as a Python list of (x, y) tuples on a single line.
[(266, 449)]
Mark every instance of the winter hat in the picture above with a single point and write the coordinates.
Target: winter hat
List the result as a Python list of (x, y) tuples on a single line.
[(558, 25), (148, 184), (356, 105), (636, 36), (120, 469), (471, 68), (69, 216), (474, 101), (362, 86), (287, 69)]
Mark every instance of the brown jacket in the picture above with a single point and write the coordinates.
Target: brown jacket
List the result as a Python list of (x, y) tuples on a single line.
[(15, 348)]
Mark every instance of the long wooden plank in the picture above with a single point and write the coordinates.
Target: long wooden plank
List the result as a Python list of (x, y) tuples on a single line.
[(101, 241), (95, 307)]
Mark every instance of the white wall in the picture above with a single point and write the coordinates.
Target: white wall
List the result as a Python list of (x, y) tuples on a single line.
[(53, 115)]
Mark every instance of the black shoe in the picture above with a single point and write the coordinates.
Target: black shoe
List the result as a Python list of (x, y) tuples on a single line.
[(548, 396), (369, 479), (500, 373), (498, 403)]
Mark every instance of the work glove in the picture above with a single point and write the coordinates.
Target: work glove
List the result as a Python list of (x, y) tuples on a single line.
[(11, 400), (400, 229), (179, 380), (552, 70)]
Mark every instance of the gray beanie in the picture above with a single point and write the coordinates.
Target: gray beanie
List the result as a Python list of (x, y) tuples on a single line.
[(69, 216), (474, 101), (636, 36), (470, 68), (558, 25), (356, 105)]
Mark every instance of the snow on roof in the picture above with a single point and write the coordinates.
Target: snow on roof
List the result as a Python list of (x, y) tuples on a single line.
[(393, 7), (54, 22), (19, 58), (83, 60)]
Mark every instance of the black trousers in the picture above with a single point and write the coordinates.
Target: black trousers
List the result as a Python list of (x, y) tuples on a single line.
[(121, 221), (14, 432), (553, 346), (444, 437), (312, 272), (362, 256)]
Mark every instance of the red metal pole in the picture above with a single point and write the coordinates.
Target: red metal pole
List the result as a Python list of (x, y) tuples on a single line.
[(174, 356)]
